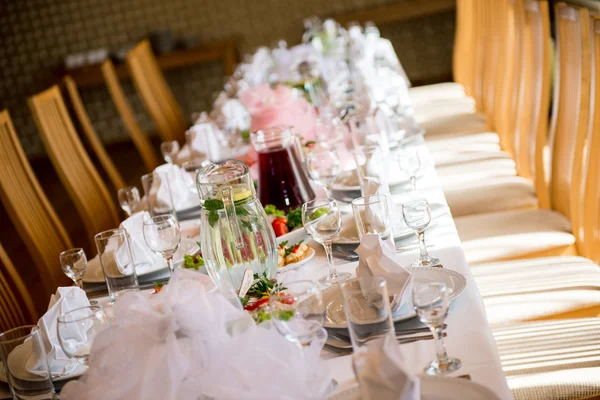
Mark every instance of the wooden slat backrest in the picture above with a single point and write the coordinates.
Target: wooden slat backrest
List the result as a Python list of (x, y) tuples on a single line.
[(140, 140), (92, 137), (534, 98), (29, 209), (72, 163), (494, 26), (155, 93), (591, 210), (16, 305), (479, 59), (571, 112), (460, 42)]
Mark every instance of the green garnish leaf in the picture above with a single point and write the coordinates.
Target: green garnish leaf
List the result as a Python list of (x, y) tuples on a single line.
[(262, 316), (319, 212), (285, 315), (158, 284), (213, 205), (246, 224), (193, 262), (294, 218), (213, 218), (241, 211), (270, 209)]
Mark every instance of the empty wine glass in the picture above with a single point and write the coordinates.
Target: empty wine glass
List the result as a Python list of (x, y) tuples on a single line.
[(329, 131), (169, 150), (322, 220), (417, 216), (78, 328), (323, 166), (74, 263), (162, 235), (129, 199), (410, 163), (297, 311), (431, 303)]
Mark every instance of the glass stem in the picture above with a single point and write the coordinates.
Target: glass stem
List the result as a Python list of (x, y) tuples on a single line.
[(440, 347), (79, 282), (413, 183), (170, 264), (328, 193), (329, 253), (424, 256)]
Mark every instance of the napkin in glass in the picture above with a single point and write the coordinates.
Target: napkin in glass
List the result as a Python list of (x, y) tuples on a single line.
[(181, 185), (381, 373), (65, 299), (378, 258), (143, 256)]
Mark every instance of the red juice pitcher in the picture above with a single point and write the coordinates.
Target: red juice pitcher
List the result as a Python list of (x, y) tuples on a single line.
[(281, 180)]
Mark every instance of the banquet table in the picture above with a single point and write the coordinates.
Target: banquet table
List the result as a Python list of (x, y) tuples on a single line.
[(469, 335)]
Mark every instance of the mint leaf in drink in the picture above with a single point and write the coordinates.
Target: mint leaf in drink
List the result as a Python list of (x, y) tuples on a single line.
[(213, 205)]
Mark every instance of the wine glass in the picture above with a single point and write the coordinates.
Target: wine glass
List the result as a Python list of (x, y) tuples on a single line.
[(129, 199), (410, 163), (322, 220), (169, 150), (329, 131), (323, 166), (417, 216), (162, 235), (431, 303), (74, 263), (297, 311), (78, 328)]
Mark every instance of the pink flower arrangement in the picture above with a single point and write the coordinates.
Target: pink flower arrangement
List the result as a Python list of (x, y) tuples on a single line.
[(276, 107)]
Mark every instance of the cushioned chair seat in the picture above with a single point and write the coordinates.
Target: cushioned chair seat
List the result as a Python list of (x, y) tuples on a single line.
[(490, 195), (525, 290), (464, 124), (437, 91), (509, 235), (476, 173), (448, 146), (551, 360), (443, 108)]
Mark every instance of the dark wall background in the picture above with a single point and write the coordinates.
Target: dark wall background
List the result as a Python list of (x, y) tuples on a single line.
[(35, 35)]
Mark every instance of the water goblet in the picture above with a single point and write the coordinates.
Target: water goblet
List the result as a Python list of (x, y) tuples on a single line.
[(410, 163), (431, 303), (322, 220), (74, 263), (169, 150), (129, 199), (323, 166), (297, 311), (162, 235), (78, 328), (417, 216), (329, 131)]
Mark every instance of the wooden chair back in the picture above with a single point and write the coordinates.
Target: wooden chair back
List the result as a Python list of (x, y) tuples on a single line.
[(140, 140), (571, 113), (29, 209), (591, 209), (480, 43), (494, 29), (531, 138), (16, 304), (155, 93), (72, 163), (91, 136)]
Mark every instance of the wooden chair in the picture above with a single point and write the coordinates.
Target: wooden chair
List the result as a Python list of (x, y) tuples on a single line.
[(91, 136), (140, 140), (29, 209), (519, 234), (16, 305), (72, 163), (155, 93)]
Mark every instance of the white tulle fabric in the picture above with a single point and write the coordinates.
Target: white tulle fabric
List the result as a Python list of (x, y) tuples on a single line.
[(191, 342)]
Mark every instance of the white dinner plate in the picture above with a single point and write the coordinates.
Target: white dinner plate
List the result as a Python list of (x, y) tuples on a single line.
[(292, 266), (349, 232), (17, 360), (435, 388), (293, 237), (334, 304), (94, 274)]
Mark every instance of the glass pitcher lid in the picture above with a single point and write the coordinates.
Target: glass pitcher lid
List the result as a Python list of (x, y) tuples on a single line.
[(231, 173)]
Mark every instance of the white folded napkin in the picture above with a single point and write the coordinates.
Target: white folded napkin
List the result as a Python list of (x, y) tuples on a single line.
[(378, 258), (65, 299), (181, 185), (142, 254), (381, 374)]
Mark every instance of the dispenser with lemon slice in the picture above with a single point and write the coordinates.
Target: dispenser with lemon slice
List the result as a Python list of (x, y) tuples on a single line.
[(235, 233)]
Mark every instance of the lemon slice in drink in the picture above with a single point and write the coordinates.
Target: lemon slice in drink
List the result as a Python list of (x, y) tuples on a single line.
[(241, 195)]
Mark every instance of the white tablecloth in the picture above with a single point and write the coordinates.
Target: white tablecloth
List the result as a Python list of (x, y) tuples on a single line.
[(469, 335)]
